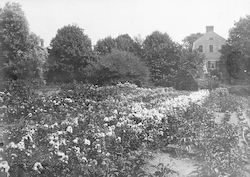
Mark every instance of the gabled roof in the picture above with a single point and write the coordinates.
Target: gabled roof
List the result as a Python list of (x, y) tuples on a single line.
[(210, 34)]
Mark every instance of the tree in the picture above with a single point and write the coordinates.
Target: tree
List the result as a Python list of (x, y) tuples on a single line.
[(232, 64), (120, 66), (190, 69), (18, 45), (123, 42), (105, 46), (70, 53), (161, 55), (235, 58), (192, 62), (189, 40)]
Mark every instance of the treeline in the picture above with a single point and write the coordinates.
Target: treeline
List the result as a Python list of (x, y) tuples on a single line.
[(156, 60)]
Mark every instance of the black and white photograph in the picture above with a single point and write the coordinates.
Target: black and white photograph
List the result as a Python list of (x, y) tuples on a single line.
[(124, 88)]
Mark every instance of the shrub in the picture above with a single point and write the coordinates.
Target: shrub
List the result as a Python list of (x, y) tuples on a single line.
[(120, 66)]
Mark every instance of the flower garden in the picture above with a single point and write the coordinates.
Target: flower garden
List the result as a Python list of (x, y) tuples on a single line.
[(85, 130)]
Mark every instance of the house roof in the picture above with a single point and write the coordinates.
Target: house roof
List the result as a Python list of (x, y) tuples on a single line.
[(209, 34)]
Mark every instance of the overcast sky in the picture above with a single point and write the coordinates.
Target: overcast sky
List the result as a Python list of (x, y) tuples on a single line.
[(102, 18)]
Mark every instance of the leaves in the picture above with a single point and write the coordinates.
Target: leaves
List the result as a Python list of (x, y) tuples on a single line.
[(235, 55), (70, 54), (160, 54), (21, 56)]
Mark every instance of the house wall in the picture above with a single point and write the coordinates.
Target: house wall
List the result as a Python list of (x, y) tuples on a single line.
[(211, 57)]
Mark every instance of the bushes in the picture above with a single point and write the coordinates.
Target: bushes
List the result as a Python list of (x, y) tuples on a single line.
[(120, 66)]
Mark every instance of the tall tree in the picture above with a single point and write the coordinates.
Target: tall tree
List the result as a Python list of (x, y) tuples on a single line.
[(235, 59), (123, 43), (17, 44), (189, 40), (70, 53), (161, 55), (105, 46), (192, 62)]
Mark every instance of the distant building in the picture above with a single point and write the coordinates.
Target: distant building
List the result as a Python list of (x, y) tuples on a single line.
[(210, 44)]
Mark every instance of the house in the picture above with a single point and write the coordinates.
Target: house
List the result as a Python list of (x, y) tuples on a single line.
[(210, 45)]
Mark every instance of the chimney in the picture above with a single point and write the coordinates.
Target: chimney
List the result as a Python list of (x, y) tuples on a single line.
[(209, 28)]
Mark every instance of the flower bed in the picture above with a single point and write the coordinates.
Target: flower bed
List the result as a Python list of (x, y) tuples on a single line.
[(86, 130)]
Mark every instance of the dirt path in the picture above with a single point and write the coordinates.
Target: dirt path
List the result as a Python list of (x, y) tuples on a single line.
[(183, 166)]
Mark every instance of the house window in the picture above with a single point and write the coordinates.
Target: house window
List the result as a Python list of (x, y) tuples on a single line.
[(211, 38), (200, 48), (211, 48), (212, 64)]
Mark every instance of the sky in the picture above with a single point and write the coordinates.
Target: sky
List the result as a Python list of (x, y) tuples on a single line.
[(103, 18)]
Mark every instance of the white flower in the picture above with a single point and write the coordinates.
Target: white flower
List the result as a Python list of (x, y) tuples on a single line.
[(115, 111), (110, 133), (4, 165), (69, 100), (77, 149), (37, 166), (64, 157), (101, 135), (118, 139), (69, 129), (30, 114), (106, 119), (86, 141), (84, 159), (76, 140)]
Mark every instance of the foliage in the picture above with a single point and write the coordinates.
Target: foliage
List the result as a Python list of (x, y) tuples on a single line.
[(161, 56), (70, 53), (235, 55), (185, 81), (189, 40), (103, 131), (123, 42), (77, 132), (190, 69), (120, 66), (105, 46), (231, 65), (192, 62), (21, 56), (218, 147)]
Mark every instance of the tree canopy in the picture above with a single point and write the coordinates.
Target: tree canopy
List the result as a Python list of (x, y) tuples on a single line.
[(235, 59), (189, 40), (161, 55), (70, 53), (19, 47), (105, 46), (123, 42)]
